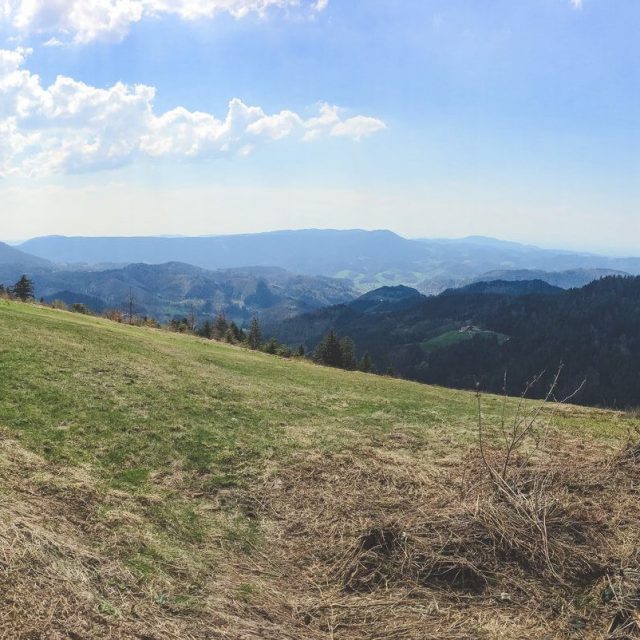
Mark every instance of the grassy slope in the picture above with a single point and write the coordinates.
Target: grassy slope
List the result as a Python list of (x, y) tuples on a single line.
[(158, 427), (455, 337)]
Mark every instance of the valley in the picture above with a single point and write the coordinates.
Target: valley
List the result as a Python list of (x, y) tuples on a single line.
[(524, 320)]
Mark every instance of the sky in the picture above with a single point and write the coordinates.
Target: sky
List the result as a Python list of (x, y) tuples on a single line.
[(518, 119)]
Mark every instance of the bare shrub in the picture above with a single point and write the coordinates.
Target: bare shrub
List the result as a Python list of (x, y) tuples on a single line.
[(114, 315), (59, 304)]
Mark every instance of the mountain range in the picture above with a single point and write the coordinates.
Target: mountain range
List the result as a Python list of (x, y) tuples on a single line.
[(369, 259), (499, 305), (296, 272)]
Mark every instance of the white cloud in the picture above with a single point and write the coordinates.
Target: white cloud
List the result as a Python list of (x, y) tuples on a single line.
[(576, 4), (83, 21), (358, 127), (71, 126)]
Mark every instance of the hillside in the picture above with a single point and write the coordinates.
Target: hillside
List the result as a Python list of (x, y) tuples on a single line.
[(154, 485), (520, 328), (11, 255)]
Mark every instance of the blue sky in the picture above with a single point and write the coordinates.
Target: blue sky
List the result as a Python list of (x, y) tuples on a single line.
[(518, 119)]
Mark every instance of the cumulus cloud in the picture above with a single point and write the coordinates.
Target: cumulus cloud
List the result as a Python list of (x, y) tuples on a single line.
[(70, 126), (83, 21)]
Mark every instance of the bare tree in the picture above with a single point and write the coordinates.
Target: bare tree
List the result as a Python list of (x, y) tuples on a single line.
[(131, 302)]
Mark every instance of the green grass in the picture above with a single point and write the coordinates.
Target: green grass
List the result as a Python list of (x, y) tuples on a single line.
[(147, 411), (456, 337), (131, 402)]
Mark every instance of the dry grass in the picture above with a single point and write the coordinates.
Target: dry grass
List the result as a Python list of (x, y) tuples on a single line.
[(61, 574), (374, 546), (366, 545)]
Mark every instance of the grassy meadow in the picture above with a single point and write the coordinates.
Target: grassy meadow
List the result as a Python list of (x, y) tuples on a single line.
[(135, 465)]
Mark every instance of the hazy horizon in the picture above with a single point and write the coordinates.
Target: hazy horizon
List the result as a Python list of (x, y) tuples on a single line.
[(514, 120), (612, 252)]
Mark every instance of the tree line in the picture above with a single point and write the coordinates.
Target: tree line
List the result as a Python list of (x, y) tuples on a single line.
[(340, 353)]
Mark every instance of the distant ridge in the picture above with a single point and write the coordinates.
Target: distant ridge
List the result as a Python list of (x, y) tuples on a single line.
[(506, 288), (563, 279), (369, 259)]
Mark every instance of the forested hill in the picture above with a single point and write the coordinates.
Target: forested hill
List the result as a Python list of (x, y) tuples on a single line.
[(175, 290), (474, 337), (506, 287)]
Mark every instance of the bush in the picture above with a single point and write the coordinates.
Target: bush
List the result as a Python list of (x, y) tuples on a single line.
[(151, 323), (78, 307), (114, 315)]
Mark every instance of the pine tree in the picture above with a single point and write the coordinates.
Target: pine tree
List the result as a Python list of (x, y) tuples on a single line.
[(348, 354), (220, 327), (272, 346), (238, 333), (23, 289), (329, 351), (301, 351), (365, 365), (206, 331), (254, 339)]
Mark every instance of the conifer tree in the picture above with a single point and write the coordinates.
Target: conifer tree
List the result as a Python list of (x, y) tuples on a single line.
[(220, 327), (180, 326), (254, 339), (238, 333), (347, 354), (23, 289), (329, 351), (365, 365), (206, 331), (272, 346)]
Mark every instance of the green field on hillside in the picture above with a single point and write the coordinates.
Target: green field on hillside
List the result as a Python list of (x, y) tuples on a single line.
[(456, 337), (146, 449)]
